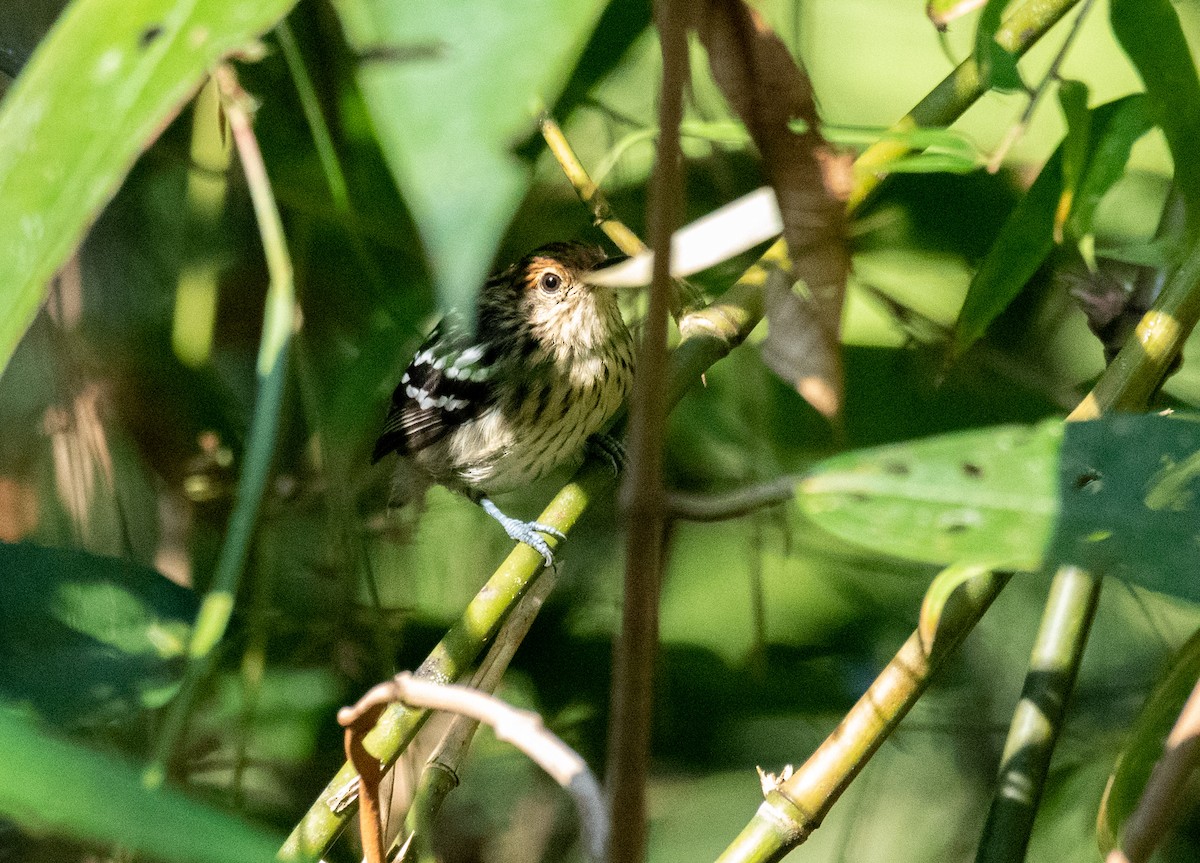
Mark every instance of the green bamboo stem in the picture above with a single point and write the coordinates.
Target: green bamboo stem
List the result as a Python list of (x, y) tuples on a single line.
[(958, 91), (278, 320), (795, 808), (1038, 718)]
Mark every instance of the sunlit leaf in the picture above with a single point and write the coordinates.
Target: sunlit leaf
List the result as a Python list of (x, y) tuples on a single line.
[(942, 12), (983, 497), (1151, 35), (1145, 743), (65, 790), (1073, 98), (101, 86), (1118, 496), (453, 88), (88, 636)]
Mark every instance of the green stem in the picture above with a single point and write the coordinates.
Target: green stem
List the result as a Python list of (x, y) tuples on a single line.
[(1038, 718), (797, 806), (958, 91), (278, 317)]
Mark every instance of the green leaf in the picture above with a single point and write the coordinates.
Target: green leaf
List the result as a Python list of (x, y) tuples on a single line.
[(1150, 33), (1118, 496), (1073, 98), (945, 585), (1145, 744), (997, 65), (102, 85), (1113, 134), (1025, 240), (1130, 492), (984, 497), (85, 636), (51, 786), (452, 87)]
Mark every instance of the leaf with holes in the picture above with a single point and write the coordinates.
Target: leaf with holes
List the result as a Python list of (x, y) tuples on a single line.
[(1129, 488), (984, 497)]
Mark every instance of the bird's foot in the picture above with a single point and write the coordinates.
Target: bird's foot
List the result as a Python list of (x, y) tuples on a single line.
[(528, 532), (609, 449)]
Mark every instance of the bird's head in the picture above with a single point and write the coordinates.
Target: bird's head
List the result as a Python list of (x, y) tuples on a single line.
[(545, 292)]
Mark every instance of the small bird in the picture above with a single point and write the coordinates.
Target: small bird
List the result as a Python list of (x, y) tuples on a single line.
[(548, 365)]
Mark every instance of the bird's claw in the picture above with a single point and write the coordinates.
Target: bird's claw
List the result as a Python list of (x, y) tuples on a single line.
[(528, 532), (609, 449)]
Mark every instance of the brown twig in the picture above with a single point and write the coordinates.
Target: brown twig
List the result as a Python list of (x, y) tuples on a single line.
[(633, 672), (1165, 789), (522, 728), (358, 720)]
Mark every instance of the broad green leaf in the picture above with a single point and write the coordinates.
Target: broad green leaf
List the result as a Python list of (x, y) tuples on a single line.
[(100, 87), (1113, 135), (983, 497), (997, 65), (1145, 744), (1022, 245), (51, 786), (452, 87), (88, 637), (1119, 496), (1150, 34), (1130, 493)]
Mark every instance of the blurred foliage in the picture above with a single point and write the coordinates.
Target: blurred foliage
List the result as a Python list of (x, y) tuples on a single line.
[(119, 457)]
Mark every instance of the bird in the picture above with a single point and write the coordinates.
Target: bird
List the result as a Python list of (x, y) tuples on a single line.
[(493, 408)]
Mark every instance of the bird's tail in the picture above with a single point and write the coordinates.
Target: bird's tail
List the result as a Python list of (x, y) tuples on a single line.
[(409, 484)]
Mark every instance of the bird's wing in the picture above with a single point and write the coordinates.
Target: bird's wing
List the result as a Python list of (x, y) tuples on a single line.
[(445, 385)]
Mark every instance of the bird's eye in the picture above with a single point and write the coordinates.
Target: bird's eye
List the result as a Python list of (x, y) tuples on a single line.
[(550, 282)]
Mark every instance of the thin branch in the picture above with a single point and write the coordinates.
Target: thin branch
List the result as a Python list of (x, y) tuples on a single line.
[(731, 504), (524, 729), (1038, 718), (631, 705), (1027, 23), (1166, 789), (1016, 131), (278, 323), (440, 775), (624, 239), (796, 805)]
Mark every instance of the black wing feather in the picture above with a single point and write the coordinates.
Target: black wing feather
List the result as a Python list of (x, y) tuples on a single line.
[(428, 403)]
